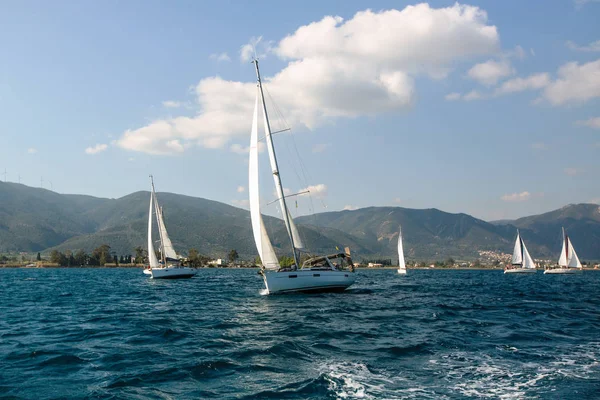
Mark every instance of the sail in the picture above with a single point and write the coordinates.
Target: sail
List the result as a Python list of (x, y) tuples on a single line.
[(289, 221), (573, 259), (167, 246), (517, 258), (153, 261), (401, 262), (527, 260), (295, 234), (261, 238), (562, 260)]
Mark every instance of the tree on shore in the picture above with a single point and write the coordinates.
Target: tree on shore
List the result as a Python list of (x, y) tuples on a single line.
[(140, 254), (39, 257), (286, 261), (101, 255), (233, 255)]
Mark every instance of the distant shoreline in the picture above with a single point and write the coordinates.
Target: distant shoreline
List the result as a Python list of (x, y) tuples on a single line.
[(254, 267)]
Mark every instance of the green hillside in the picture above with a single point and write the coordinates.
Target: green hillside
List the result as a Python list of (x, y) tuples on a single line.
[(33, 219)]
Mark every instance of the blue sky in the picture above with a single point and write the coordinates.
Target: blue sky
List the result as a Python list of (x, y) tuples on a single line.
[(487, 108)]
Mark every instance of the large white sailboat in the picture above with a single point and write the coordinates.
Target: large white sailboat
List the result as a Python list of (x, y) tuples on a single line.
[(326, 273), (401, 263), (568, 262), (521, 263), (169, 267)]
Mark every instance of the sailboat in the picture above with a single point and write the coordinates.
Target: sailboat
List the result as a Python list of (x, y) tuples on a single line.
[(169, 267), (333, 272), (568, 262), (522, 263), (401, 263)]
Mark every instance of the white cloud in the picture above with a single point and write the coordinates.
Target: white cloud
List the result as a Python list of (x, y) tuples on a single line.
[(576, 84), (592, 47), (318, 191), (519, 52), (320, 147), (96, 149), (241, 189), (131, 159), (595, 201), (452, 96), (350, 208), (535, 81), (31, 150), (581, 3), (335, 68), (516, 197), (539, 146), (592, 122), (255, 48), (397, 200), (490, 72), (171, 104), (220, 57), (473, 95), (571, 171)]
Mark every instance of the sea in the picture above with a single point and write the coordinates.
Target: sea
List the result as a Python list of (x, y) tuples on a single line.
[(432, 334)]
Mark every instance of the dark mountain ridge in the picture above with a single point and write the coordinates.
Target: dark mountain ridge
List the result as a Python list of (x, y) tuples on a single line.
[(33, 219)]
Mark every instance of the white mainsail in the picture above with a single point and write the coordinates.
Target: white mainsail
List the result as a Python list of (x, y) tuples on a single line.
[(151, 254), (261, 238), (517, 258), (289, 221), (527, 260), (401, 263), (573, 259), (562, 260), (167, 246)]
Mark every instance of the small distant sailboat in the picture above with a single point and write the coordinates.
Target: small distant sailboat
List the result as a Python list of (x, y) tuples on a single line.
[(568, 262), (522, 263), (401, 263), (169, 267), (316, 274)]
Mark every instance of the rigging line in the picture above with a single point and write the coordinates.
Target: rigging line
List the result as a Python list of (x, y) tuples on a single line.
[(280, 115), (304, 179)]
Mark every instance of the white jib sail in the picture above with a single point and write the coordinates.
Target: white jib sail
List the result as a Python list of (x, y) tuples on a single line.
[(167, 246), (401, 263), (291, 227), (153, 261), (562, 260), (527, 260), (261, 238), (573, 259), (517, 258)]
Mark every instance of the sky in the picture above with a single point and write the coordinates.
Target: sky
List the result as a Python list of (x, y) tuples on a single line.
[(486, 108)]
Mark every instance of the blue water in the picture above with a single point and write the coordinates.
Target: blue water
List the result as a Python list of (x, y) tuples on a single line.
[(114, 333)]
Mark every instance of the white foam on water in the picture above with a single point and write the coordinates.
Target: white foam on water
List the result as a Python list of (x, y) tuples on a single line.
[(483, 376), (350, 380), (354, 380), (263, 292)]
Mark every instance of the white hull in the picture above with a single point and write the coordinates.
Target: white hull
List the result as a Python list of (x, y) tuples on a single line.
[(401, 271), (563, 271), (520, 271), (307, 281), (171, 272)]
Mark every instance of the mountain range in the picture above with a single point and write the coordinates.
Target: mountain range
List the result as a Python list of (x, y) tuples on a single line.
[(34, 219)]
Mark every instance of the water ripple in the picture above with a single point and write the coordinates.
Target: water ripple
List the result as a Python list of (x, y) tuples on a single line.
[(113, 334)]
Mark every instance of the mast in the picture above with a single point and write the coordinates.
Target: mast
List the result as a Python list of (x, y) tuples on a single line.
[(278, 185), (156, 210), (566, 245)]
